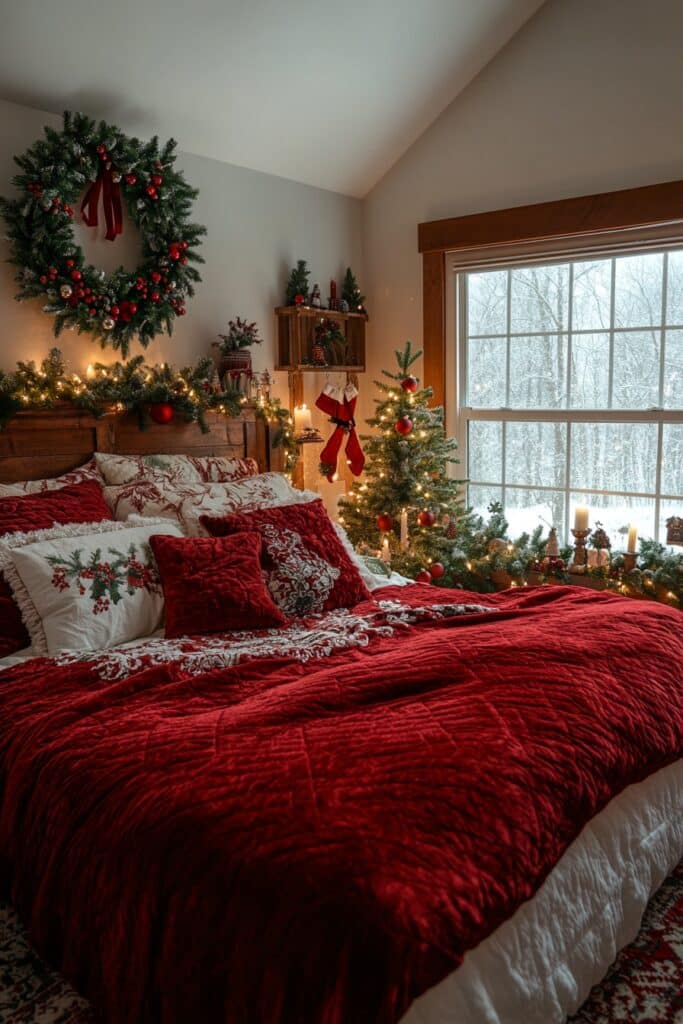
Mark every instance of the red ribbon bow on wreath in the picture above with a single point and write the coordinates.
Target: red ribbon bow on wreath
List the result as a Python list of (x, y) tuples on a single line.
[(111, 201), (340, 406)]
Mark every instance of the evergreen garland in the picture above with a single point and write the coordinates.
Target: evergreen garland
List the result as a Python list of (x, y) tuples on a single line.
[(122, 306)]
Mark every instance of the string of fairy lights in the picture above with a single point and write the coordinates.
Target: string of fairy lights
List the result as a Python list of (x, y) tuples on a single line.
[(132, 386)]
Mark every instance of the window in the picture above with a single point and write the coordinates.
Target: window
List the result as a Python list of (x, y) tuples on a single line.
[(570, 389)]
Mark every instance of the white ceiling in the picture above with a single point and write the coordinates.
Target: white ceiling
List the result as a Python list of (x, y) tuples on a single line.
[(330, 94)]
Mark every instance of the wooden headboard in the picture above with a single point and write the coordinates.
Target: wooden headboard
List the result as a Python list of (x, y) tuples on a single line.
[(49, 442)]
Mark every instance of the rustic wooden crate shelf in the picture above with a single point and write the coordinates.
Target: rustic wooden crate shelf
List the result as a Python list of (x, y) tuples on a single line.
[(296, 336)]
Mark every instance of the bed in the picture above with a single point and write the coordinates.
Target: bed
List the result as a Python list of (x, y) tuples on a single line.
[(430, 807)]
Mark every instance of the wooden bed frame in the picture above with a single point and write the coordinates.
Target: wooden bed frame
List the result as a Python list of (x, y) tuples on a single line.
[(49, 442)]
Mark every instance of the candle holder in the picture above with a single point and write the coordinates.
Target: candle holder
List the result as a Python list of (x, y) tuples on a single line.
[(580, 555), (629, 561), (309, 436)]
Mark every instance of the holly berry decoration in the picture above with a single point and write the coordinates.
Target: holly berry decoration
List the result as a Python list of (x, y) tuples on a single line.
[(385, 522), (409, 384), (403, 426), (161, 412), (423, 577), (426, 517), (437, 570)]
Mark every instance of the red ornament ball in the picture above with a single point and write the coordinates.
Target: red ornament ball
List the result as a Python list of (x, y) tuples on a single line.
[(161, 412), (436, 570), (384, 522), (43, 278), (132, 308), (151, 191), (156, 276), (157, 179), (69, 263), (155, 296), (298, 300), (423, 577), (403, 425), (426, 518), (131, 179), (409, 384), (76, 275)]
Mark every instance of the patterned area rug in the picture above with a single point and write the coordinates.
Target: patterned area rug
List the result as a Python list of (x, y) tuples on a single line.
[(643, 986)]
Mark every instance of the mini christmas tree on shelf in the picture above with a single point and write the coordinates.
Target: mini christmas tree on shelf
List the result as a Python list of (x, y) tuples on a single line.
[(297, 285), (407, 497), (351, 292)]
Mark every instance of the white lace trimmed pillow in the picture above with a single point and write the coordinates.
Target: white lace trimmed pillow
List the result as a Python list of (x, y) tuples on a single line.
[(189, 469), (86, 586)]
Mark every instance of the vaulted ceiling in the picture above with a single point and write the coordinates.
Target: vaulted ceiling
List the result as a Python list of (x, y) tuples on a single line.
[(330, 94)]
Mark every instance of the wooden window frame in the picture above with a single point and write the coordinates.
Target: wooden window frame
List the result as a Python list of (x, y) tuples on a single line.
[(636, 216)]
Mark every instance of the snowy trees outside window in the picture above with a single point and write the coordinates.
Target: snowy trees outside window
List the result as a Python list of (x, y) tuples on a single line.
[(571, 389)]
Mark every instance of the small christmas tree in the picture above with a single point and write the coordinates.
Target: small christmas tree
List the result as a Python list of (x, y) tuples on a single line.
[(297, 283), (407, 496), (351, 292)]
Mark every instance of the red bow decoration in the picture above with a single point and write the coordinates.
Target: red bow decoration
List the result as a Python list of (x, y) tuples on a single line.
[(340, 406), (111, 201)]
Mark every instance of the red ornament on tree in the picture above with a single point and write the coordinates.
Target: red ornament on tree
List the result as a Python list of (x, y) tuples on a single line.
[(436, 570), (409, 384), (298, 300), (384, 522), (161, 412), (426, 518), (403, 425), (423, 577)]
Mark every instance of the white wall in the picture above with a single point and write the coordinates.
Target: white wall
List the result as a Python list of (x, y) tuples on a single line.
[(585, 98), (258, 226)]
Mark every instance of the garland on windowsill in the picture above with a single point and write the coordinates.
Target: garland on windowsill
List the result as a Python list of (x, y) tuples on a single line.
[(492, 561), (135, 387)]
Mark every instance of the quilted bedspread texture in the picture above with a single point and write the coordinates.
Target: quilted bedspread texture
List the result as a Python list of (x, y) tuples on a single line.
[(289, 842)]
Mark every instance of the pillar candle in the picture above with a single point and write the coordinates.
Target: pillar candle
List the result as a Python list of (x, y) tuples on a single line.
[(386, 556), (302, 419), (632, 539), (581, 518), (404, 530)]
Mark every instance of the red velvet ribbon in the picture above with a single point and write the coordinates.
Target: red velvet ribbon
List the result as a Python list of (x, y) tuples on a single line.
[(111, 202), (341, 413)]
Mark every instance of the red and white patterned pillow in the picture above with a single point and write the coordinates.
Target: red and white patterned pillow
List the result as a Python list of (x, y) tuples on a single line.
[(88, 471), (184, 503), (86, 586), (304, 562), (124, 469)]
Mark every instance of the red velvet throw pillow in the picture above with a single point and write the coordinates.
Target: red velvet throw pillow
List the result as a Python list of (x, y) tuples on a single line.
[(306, 567), (213, 584), (75, 503)]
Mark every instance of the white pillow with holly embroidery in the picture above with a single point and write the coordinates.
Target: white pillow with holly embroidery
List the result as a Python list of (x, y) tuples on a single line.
[(86, 586)]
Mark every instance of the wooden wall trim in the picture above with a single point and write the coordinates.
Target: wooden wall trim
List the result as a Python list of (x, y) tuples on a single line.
[(434, 323), (629, 209), (607, 211)]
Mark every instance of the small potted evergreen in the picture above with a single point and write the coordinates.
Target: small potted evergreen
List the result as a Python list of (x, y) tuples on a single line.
[(234, 348)]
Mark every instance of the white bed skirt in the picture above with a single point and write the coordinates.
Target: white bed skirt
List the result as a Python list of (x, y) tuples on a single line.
[(540, 965)]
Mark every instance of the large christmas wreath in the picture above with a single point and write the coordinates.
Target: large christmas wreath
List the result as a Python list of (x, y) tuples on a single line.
[(100, 160)]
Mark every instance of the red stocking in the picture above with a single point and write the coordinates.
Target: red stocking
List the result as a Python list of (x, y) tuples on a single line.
[(340, 407)]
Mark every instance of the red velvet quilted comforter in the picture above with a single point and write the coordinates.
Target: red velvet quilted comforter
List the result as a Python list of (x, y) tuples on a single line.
[(319, 841)]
